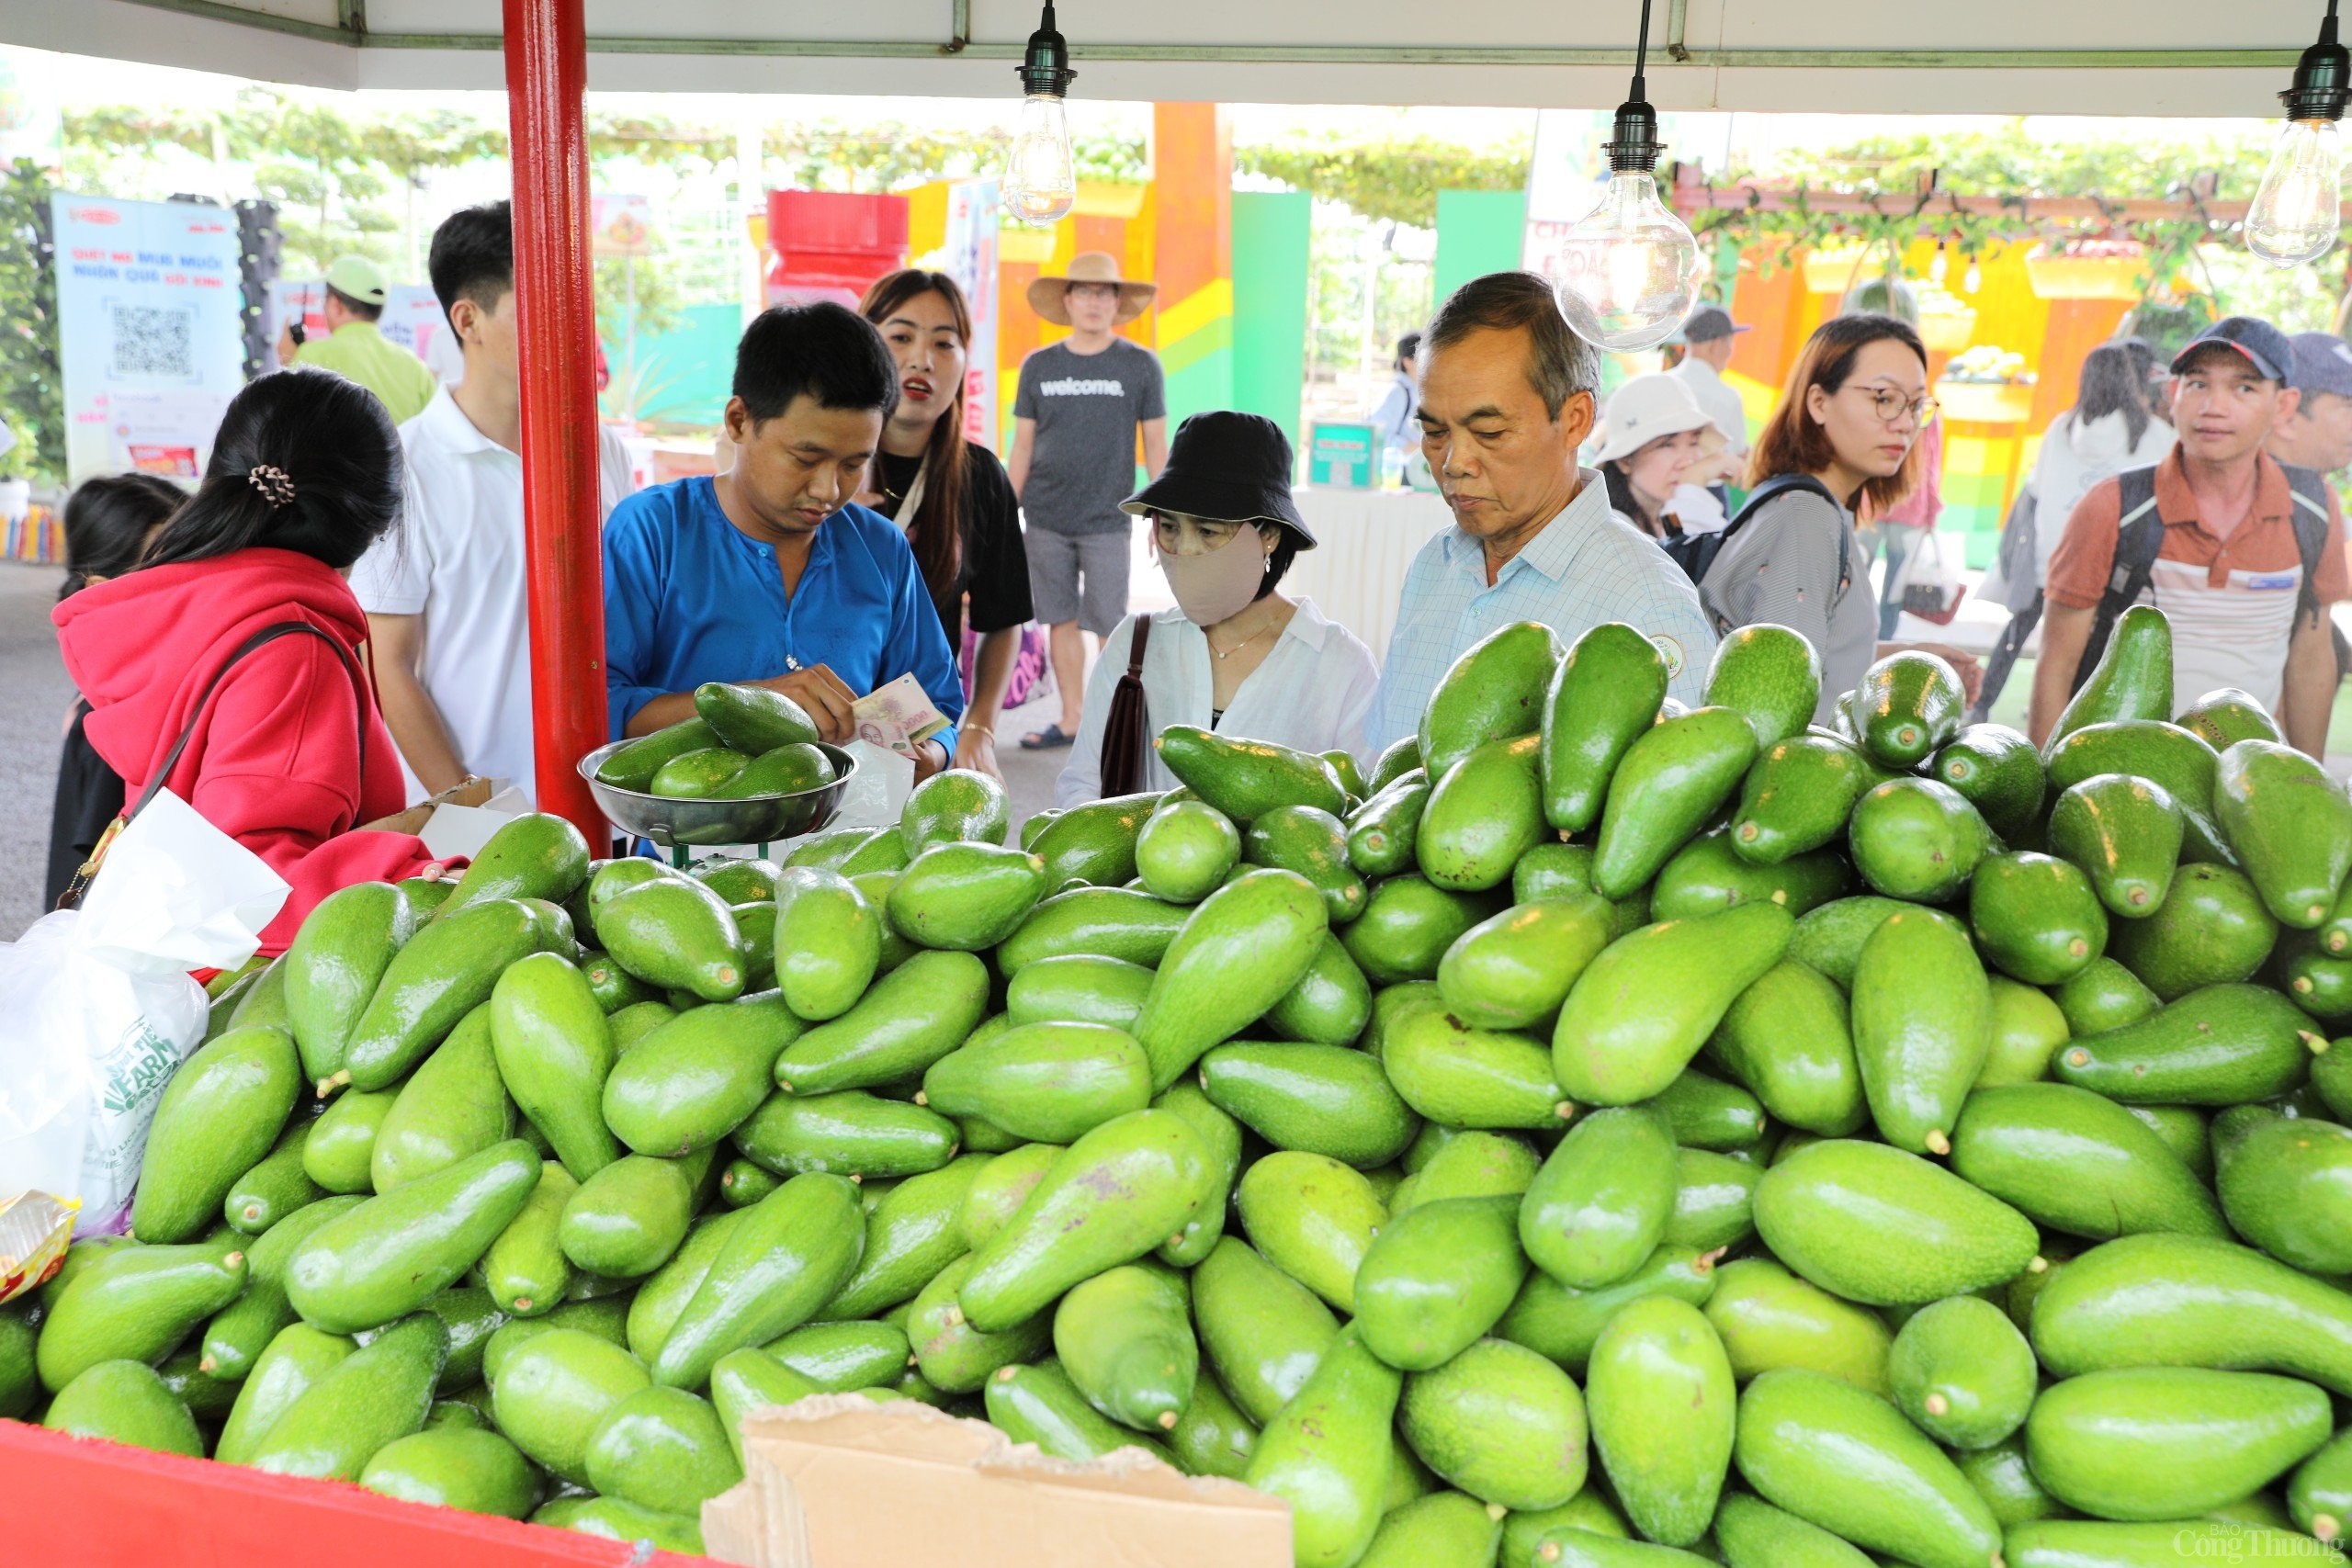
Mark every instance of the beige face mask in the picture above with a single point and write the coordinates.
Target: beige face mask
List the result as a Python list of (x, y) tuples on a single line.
[(1221, 584)]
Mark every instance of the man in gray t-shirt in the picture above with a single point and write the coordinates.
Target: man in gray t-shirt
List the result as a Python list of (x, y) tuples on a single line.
[(1082, 403)]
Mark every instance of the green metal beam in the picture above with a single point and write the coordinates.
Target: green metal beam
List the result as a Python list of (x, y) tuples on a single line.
[(213, 11), (1294, 54)]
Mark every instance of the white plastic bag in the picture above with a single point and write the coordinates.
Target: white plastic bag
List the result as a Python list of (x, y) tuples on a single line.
[(97, 1009), (878, 789)]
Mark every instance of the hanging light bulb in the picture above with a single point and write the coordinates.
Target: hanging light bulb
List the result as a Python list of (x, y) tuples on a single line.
[(1974, 280), (1939, 267), (1040, 174), (2298, 212), (1629, 269)]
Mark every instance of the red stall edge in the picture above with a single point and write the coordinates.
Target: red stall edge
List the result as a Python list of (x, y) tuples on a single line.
[(96, 1505)]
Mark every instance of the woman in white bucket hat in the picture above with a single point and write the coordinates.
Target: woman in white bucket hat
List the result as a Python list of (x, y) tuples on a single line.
[(1654, 434)]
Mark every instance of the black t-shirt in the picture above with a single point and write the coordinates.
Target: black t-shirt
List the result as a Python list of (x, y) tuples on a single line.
[(995, 570)]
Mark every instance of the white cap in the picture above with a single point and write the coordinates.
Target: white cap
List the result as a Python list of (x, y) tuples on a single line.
[(1648, 407)]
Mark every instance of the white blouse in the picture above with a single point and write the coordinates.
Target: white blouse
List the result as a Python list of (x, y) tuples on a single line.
[(1311, 694)]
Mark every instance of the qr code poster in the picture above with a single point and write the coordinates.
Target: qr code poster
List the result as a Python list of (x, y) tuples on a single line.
[(150, 307)]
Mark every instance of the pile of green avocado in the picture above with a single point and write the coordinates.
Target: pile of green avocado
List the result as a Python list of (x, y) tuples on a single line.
[(743, 741), (1612, 1136)]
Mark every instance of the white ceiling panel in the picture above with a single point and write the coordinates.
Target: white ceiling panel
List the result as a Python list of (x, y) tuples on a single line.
[(2178, 57)]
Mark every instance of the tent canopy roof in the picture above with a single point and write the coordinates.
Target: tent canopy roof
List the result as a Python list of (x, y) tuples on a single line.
[(2163, 57)]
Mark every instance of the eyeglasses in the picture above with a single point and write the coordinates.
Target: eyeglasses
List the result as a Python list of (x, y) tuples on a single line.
[(1891, 405)]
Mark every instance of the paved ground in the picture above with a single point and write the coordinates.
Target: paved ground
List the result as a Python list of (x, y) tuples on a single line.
[(34, 696)]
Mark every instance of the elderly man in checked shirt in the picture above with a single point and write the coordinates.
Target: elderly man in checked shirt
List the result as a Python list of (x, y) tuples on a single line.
[(1507, 398)]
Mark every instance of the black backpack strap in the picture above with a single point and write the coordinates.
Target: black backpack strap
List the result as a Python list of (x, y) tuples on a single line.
[(260, 639), (1773, 489), (1782, 484), (2139, 540), (2311, 518), (1696, 553)]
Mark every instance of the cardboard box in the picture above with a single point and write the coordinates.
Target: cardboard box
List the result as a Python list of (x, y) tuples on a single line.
[(839, 1481), (471, 791), (458, 821)]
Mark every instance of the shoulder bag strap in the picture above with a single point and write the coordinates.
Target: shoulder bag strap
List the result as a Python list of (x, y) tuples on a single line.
[(1126, 733), (72, 896), (260, 639)]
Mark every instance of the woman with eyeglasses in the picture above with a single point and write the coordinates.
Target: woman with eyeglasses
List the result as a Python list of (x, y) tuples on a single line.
[(1843, 441)]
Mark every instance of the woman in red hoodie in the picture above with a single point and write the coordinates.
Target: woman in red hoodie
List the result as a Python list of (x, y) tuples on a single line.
[(228, 662)]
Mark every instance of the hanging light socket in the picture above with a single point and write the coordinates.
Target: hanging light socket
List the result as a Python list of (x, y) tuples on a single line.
[(1045, 66), (1633, 146), (1040, 170), (2323, 83)]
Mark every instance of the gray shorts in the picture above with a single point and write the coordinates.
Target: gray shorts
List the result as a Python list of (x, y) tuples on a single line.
[(1078, 577)]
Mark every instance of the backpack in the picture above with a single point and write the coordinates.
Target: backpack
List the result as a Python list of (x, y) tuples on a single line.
[(1695, 553), (2140, 540)]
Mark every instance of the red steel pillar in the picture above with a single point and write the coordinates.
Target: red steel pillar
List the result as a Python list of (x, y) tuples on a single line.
[(547, 75)]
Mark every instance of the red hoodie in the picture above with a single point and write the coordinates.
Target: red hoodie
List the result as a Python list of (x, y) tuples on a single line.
[(275, 760)]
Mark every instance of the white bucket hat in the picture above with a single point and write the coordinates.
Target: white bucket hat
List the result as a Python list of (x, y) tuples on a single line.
[(1648, 407)]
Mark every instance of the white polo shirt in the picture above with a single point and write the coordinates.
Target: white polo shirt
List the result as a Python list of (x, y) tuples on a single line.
[(457, 561), (1717, 399)]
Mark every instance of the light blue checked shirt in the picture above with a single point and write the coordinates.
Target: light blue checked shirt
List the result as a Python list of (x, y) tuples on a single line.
[(1588, 566)]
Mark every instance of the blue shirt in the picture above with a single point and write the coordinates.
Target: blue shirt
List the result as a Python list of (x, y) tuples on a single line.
[(689, 598), (1585, 567)]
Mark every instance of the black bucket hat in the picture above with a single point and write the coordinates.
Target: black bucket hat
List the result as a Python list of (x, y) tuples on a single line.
[(1229, 468)]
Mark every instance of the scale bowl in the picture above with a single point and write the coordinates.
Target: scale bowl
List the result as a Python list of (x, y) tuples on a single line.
[(671, 821)]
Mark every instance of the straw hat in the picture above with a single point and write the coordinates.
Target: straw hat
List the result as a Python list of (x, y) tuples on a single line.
[(1089, 267)]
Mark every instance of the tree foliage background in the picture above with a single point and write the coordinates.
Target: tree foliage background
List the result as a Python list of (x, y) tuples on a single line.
[(368, 180), (32, 396)]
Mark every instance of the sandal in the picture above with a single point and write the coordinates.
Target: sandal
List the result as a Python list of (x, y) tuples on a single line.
[(1046, 739)]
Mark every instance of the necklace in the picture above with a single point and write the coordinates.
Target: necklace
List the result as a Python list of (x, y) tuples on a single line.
[(1224, 654)]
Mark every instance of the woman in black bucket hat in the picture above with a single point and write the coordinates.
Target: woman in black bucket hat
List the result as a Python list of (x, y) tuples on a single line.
[(1234, 655)]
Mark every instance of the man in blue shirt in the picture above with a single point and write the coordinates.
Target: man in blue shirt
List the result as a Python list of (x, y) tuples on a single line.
[(766, 575), (1506, 398)]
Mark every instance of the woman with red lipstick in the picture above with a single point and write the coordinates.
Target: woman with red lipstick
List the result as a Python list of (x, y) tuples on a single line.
[(1842, 441), (950, 495)]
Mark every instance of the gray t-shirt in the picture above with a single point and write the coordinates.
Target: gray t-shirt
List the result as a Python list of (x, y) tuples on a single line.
[(1086, 407), (1782, 565)]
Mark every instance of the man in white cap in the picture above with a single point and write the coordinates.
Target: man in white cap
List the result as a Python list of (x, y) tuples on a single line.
[(357, 290), (1083, 403)]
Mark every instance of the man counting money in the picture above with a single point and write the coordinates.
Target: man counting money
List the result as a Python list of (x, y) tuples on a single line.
[(767, 575)]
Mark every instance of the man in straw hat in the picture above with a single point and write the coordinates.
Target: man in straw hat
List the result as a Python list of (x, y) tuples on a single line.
[(1075, 420)]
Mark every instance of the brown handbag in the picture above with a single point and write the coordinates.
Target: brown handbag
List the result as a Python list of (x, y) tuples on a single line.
[(1126, 734)]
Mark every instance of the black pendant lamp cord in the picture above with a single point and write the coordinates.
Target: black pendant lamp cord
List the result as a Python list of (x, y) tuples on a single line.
[(1642, 49), (1633, 146)]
